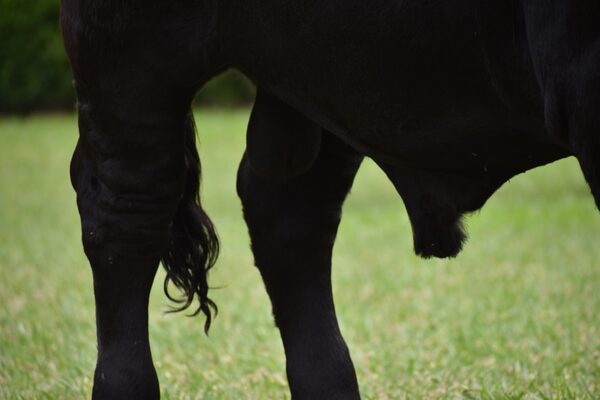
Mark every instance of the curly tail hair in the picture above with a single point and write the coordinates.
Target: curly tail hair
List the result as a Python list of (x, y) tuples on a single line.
[(194, 243)]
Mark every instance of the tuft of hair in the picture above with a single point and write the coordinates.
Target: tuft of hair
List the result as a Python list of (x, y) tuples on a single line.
[(194, 246)]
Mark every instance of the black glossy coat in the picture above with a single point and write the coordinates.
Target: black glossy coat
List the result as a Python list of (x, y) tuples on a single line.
[(451, 98)]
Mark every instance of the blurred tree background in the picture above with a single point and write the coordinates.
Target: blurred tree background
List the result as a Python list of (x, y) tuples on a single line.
[(35, 73)]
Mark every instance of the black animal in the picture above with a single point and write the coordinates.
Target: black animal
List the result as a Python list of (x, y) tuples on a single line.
[(451, 98)]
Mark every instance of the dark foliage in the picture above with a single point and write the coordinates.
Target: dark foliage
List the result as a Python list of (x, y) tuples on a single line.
[(34, 72)]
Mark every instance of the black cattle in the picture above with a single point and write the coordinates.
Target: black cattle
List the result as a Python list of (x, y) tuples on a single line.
[(450, 98)]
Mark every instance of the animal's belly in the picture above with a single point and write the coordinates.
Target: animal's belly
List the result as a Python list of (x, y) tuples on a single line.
[(482, 138), (440, 94), (404, 79)]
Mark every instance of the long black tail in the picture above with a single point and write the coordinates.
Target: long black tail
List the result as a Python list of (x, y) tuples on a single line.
[(194, 242)]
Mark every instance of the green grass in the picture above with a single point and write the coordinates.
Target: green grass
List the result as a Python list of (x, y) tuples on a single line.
[(515, 316)]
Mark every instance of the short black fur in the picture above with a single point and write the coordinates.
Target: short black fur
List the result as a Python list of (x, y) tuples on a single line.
[(451, 98)]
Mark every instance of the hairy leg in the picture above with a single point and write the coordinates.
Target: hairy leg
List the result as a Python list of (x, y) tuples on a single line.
[(136, 171), (127, 200), (293, 225)]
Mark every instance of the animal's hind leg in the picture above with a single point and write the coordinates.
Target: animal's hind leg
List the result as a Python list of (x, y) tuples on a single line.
[(293, 225), (136, 170), (133, 170), (129, 181)]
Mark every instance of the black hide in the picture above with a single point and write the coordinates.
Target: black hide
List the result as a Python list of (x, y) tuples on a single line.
[(451, 98)]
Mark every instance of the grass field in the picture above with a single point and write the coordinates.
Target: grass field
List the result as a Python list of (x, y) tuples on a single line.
[(515, 316)]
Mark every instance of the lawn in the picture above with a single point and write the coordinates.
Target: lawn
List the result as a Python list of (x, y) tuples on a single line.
[(515, 316)]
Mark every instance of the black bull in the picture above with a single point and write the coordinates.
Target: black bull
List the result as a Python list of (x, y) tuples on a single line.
[(450, 98)]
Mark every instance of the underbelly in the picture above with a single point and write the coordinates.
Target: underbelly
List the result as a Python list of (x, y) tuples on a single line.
[(468, 141), (442, 167)]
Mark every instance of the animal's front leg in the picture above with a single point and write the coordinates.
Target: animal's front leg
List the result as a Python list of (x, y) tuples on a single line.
[(293, 225)]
